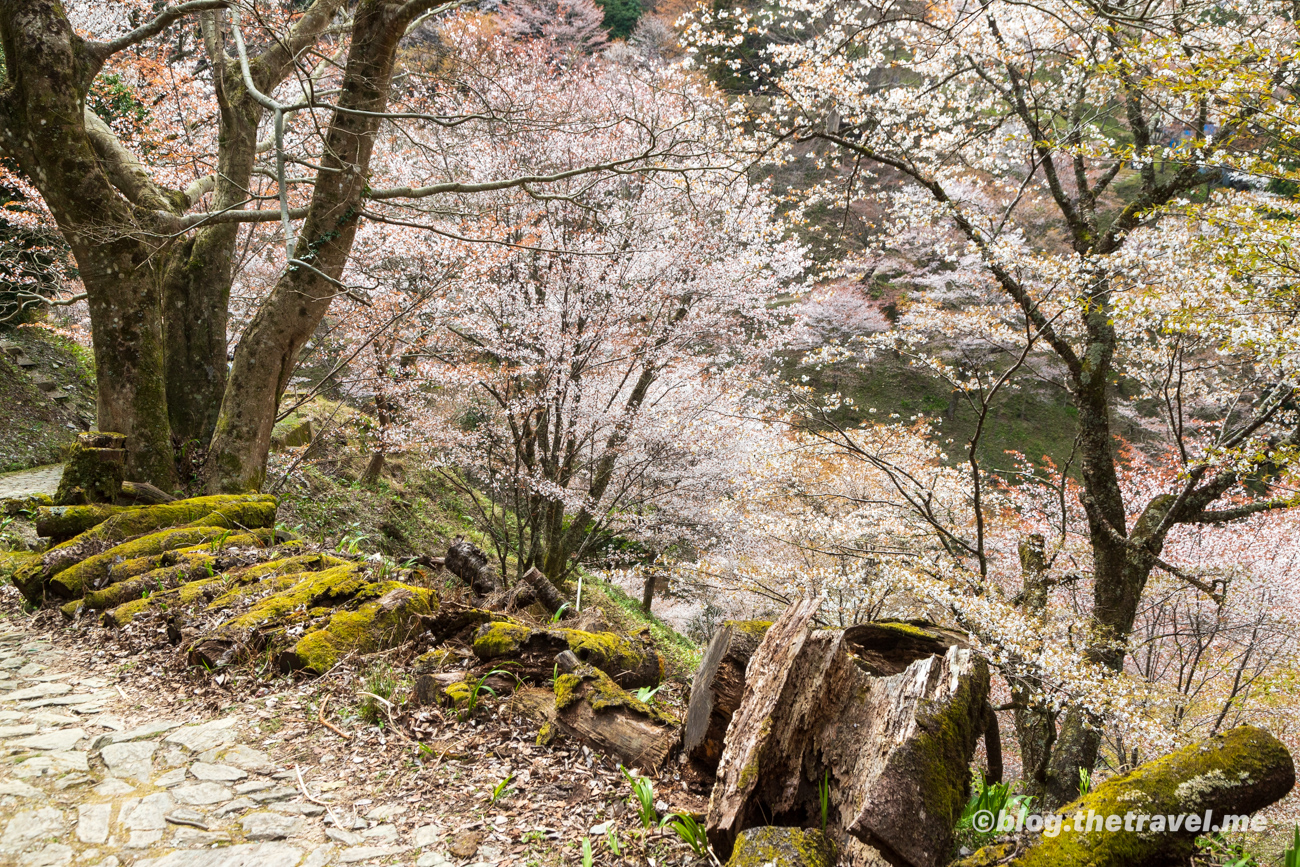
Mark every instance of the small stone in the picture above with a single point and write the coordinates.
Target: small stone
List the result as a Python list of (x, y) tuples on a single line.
[(173, 758), (253, 786), (350, 821), (432, 859), (382, 834), (147, 813), (385, 812), (320, 856), (235, 806), (19, 789), (201, 738), (28, 827), (52, 765), (53, 855), (248, 759), (185, 837), (426, 835), (41, 690), (138, 733), (92, 822), (216, 773), (17, 731), (55, 741), (346, 838), (365, 853), (143, 839), (202, 794), (31, 669), (112, 787), (130, 760), (243, 855), (186, 816), (597, 830), (269, 826), (111, 723), (290, 809), (55, 719), (279, 793), (72, 780), (171, 778)]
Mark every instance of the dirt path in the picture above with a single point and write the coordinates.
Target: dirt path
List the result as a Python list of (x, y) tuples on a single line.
[(24, 483)]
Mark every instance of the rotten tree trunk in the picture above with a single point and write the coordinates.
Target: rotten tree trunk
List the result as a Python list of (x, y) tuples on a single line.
[(887, 714), (592, 708), (717, 688), (470, 565)]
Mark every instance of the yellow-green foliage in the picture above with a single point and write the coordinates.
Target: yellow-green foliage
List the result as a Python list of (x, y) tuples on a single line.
[(756, 628), (313, 588), (81, 577), (386, 621), (434, 660), (787, 847)]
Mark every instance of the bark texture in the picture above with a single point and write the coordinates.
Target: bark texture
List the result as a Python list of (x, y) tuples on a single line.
[(717, 688), (886, 715), (592, 708)]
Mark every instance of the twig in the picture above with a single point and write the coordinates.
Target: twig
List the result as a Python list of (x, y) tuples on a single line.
[(302, 787), (320, 715)]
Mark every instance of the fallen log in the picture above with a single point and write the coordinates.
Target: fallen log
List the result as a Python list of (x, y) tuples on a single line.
[(545, 592), (143, 492), (61, 523), (1229, 775), (386, 614), (470, 565), (631, 661), (884, 715), (717, 688), (589, 706)]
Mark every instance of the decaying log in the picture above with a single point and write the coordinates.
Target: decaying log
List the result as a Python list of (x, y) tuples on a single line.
[(451, 618), (886, 714), (545, 591), (631, 660), (589, 706), (717, 688), (470, 565), (392, 615), (1232, 774), (61, 523), (143, 492)]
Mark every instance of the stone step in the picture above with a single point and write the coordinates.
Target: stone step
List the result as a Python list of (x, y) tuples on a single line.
[(24, 361), (44, 383), (11, 349)]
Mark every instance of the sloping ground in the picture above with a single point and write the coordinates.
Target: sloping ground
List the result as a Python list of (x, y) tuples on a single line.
[(46, 397)]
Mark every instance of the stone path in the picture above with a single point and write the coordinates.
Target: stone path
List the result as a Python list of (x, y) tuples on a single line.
[(39, 480), (79, 784)]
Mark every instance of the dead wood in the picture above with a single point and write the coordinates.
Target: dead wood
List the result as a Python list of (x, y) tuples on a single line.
[(886, 715), (590, 707), (717, 688)]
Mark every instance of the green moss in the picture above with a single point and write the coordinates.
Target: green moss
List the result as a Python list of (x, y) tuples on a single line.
[(26, 571), (434, 660), (139, 520), (91, 475), (286, 566), (180, 597), (189, 567), (500, 638), (602, 693), (76, 580), (782, 847), (546, 734), (332, 585), (756, 628), (566, 690), (458, 694), (64, 522), (377, 625), (912, 630)]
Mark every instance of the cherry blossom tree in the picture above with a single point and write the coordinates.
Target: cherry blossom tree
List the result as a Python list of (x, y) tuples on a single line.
[(1049, 151)]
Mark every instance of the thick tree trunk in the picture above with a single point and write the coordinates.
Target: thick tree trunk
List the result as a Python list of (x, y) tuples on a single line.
[(885, 716), (267, 354), (1035, 726)]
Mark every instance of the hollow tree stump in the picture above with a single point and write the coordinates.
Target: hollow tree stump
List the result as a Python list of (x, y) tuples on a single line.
[(886, 715)]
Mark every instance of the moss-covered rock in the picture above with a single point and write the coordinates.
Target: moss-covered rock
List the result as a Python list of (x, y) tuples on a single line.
[(782, 847), (388, 620), (631, 661), (60, 523), (28, 503), (92, 573)]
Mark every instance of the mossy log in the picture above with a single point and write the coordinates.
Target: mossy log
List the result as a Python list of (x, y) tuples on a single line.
[(61, 523), (304, 597), (589, 706), (545, 592), (24, 569), (1229, 775), (251, 511), (390, 617), (145, 494), (188, 567), (631, 661), (92, 572), (137, 566), (469, 564), (204, 591), (767, 846), (887, 714), (717, 688)]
